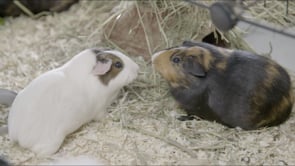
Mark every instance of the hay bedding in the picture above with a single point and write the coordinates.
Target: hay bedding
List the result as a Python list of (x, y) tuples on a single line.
[(141, 127)]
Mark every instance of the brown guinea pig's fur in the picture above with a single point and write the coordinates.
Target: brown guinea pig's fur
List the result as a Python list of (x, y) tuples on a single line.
[(232, 87)]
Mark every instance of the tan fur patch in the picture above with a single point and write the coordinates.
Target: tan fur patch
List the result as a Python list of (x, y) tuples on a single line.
[(114, 71), (221, 65), (225, 52), (276, 111), (292, 95), (272, 73), (258, 98), (163, 65), (203, 56)]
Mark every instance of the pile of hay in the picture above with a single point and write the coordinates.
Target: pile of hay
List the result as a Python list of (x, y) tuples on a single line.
[(143, 27), (141, 127), (280, 13)]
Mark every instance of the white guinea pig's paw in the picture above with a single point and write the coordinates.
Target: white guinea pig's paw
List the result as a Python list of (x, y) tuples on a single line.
[(44, 150)]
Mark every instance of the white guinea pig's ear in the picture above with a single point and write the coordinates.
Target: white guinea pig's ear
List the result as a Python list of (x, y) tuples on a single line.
[(102, 67)]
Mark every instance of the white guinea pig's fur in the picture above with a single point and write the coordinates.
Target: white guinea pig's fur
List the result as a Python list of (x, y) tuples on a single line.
[(60, 101)]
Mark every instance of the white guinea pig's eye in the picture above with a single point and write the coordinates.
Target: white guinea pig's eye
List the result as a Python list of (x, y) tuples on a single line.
[(118, 65), (176, 60)]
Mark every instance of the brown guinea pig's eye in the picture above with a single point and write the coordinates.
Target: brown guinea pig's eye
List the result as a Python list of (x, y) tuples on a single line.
[(176, 59), (118, 65)]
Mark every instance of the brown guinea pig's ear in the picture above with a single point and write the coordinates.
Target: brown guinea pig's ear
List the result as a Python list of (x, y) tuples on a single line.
[(193, 67)]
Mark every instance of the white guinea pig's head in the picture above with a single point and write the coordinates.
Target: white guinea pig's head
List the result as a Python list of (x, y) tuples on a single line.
[(111, 67), (118, 69)]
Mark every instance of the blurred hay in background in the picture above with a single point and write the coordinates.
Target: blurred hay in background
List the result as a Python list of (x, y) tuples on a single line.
[(140, 28), (281, 14), (144, 27), (277, 12)]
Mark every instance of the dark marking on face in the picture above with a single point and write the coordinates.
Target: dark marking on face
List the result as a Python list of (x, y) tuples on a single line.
[(116, 68)]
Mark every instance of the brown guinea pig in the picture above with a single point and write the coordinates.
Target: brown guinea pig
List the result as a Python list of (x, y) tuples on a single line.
[(232, 87)]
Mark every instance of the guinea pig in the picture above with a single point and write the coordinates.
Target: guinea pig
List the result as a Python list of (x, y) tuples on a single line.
[(233, 87), (61, 100)]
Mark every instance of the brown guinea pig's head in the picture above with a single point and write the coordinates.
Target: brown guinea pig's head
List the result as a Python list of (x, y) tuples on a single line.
[(178, 65)]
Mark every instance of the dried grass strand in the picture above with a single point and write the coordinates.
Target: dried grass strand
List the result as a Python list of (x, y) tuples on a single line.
[(167, 140)]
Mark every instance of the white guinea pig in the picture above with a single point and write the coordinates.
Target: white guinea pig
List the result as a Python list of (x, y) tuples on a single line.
[(60, 101)]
